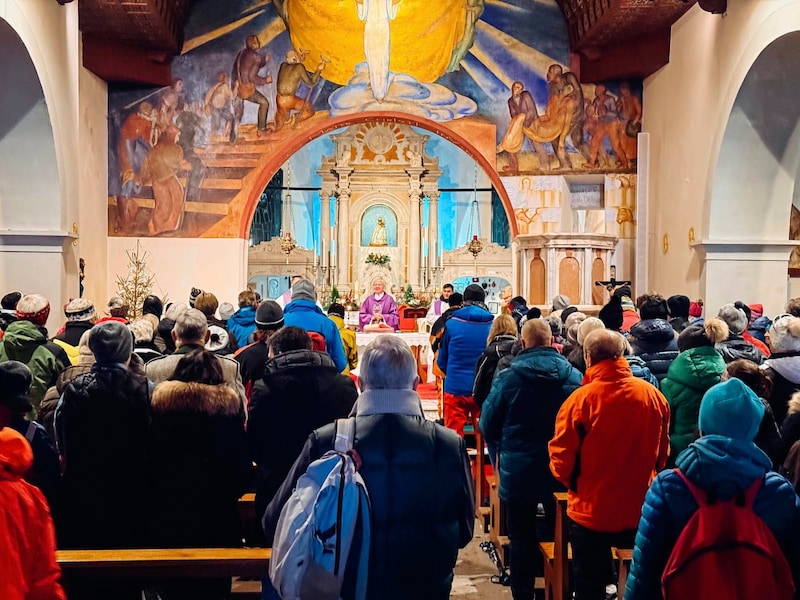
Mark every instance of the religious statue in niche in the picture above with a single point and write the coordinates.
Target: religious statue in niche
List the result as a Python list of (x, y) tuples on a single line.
[(378, 234), (379, 227)]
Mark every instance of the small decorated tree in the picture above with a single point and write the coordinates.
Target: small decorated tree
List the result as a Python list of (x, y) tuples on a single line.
[(138, 283), (335, 295), (408, 297)]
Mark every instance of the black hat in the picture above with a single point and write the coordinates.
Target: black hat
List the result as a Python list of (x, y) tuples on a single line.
[(269, 315), (474, 293), (455, 299), (336, 309), (567, 312), (611, 313), (517, 301), (678, 306), (624, 290), (111, 342), (15, 383), (9, 301), (152, 305), (534, 312)]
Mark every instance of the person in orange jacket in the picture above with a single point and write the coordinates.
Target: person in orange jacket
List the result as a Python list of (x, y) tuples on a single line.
[(28, 569), (611, 438)]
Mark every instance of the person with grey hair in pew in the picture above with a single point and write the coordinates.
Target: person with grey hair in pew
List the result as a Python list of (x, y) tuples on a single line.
[(417, 474)]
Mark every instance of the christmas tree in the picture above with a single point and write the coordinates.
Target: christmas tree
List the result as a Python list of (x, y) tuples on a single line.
[(409, 295), (138, 283)]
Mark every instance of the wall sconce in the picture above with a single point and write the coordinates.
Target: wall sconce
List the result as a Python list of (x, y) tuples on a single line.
[(691, 235), (665, 244)]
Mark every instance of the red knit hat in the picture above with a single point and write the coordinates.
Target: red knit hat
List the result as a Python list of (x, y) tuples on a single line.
[(696, 309), (34, 308)]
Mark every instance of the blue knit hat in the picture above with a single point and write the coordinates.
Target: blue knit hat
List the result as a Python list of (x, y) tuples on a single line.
[(731, 409)]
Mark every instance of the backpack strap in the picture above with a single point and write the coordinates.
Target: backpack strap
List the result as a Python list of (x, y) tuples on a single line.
[(704, 498), (345, 432), (30, 432)]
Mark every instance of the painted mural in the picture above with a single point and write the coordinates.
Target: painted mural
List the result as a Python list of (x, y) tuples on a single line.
[(257, 76)]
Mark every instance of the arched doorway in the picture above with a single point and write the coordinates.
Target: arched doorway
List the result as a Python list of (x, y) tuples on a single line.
[(753, 186)]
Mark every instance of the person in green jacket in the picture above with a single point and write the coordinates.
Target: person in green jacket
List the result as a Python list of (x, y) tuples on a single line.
[(695, 370)]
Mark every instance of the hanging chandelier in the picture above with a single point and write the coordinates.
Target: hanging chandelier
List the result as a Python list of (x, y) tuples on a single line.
[(287, 243), (475, 246)]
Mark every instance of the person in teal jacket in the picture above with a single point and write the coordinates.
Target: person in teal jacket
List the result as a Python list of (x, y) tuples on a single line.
[(519, 416), (695, 370), (724, 462)]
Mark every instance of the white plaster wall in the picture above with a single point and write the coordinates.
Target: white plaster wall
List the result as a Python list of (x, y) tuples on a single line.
[(214, 265), (50, 34), (687, 104)]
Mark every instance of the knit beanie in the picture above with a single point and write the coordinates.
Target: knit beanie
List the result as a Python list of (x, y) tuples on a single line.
[(117, 307), (15, 384), (756, 312), (193, 296), (574, 318), (474, 293), (9, 301), (226, 310), (455, 299), (304, 290), (142, 330), (732, 410), (80, 309), (587, 326), (696, 309), (175, 310), (561, 302), (678, 306), (567, 312), (269, 315), (710, 333), (734, 317), (206, 303), (34, 308), (111, 342), (654, 308), (152, 305), (611, 313), (784, 335), (336, 309)]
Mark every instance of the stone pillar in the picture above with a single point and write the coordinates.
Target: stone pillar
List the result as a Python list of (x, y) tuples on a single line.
[(343, 228), (325, 226), (415, 230), (433, 233)]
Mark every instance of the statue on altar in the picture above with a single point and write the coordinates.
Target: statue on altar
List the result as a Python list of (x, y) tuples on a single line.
[(379, 310), (379, 234)]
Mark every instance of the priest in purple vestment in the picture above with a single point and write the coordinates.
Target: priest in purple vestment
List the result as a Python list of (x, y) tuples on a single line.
[(379, 307)]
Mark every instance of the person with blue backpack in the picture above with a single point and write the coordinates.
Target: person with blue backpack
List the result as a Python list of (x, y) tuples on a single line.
[(416, 473), (721, 524)]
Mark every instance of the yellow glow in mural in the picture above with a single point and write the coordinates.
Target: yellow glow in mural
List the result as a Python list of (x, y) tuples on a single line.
[(423, 35)]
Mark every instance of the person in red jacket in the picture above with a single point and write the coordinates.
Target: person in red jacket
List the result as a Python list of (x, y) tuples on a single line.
[(611, 438), (28, 569)]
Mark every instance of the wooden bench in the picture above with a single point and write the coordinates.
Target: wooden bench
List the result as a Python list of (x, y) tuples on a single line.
[(160, 563), (557, 555), (624, 557)]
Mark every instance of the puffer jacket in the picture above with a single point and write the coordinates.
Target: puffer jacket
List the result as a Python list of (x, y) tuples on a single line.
[(102, 426), (28, 570), (28, 344), (783, 370), (725, 467), (416, 472), (611, 437), (790, 428), (736, 347), (640, 370), (499, 347), (690, 375), (655, 342), (463, 342), (300, 391), (241, 325), (520, 416), (198, 464), (309, 316)]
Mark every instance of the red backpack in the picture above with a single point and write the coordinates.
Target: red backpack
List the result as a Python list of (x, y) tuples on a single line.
[(726, 551)]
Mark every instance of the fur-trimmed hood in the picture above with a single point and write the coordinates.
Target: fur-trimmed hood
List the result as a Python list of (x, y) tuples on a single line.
[(179, 396), (794, 404)]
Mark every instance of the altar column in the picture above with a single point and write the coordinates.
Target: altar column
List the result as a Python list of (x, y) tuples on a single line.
[(415, 237), (343, 227), (325, 232), (433, 234)]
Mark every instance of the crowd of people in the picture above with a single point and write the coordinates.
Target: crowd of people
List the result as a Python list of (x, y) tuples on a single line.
[(144, 432)]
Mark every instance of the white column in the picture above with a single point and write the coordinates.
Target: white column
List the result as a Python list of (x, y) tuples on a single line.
[(433, 232), (414, 229), (343, 239), (325, 226)]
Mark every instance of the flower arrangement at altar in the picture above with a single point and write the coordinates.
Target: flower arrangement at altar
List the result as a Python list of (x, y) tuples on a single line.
[(379, 260)]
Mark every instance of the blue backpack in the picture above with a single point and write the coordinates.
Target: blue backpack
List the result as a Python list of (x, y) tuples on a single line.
[(317, 526)]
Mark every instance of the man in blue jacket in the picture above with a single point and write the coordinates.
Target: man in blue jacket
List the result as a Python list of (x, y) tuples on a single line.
[(464, 340), (303, 312), (519, 416)]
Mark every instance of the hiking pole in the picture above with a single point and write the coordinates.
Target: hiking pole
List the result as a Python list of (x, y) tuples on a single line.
[(503, 576)]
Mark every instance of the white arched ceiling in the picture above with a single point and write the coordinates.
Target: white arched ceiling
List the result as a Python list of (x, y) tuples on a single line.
[(753, 184), (29, 184)]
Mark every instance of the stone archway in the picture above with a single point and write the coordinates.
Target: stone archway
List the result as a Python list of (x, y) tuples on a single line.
[(329, 125), (753, 185)]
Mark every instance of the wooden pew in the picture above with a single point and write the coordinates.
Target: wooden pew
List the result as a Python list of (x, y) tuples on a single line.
[(159, 563), (624, 557), (557, 555)]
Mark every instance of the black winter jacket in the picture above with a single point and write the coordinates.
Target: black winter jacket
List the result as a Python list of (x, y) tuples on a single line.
[(736, 347), (655, 342), (499, 347), (301, 390), (417, 476), (102, 426)]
